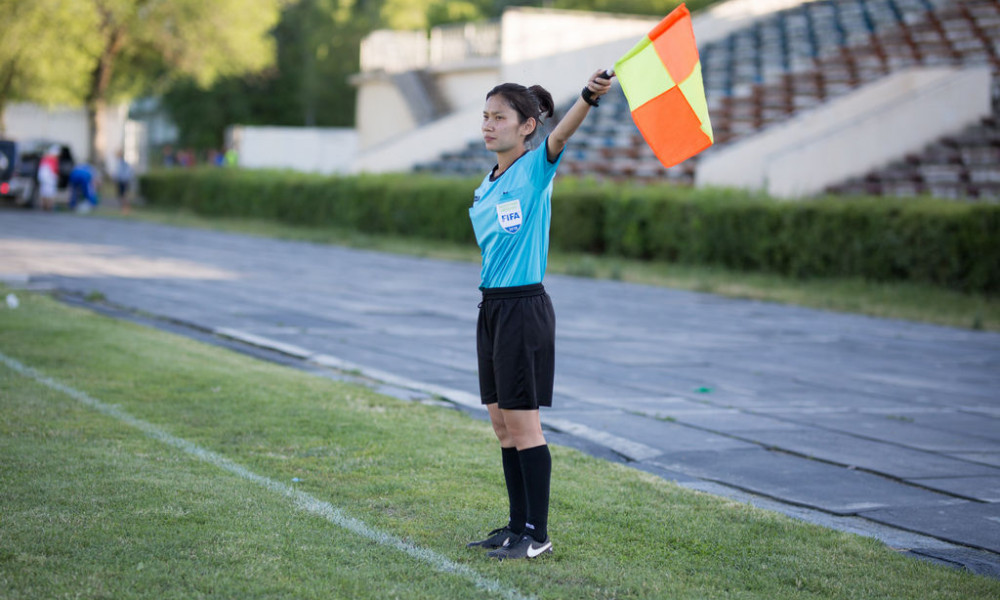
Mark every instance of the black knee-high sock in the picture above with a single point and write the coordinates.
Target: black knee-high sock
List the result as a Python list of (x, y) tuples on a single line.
[(515, 489), (536, 468)]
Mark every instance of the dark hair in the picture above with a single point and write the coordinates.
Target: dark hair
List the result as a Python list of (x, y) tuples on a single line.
[(532, 102)]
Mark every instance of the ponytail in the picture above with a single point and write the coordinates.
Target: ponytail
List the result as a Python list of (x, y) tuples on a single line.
[(534, 102), (545, 104)]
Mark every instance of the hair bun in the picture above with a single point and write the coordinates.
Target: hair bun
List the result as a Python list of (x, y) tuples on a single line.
[(545, 103)]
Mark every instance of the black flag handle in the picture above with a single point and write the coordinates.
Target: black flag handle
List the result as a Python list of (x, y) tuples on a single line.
[(588, 96)]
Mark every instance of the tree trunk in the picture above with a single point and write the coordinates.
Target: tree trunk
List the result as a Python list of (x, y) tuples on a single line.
[(6, 82), (96, 102), (100, 80), (95, 125)]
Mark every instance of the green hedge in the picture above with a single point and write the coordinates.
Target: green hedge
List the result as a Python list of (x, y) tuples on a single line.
[(945, 243)]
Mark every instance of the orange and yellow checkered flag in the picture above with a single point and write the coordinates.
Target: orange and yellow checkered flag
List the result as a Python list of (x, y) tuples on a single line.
[(661, 78)]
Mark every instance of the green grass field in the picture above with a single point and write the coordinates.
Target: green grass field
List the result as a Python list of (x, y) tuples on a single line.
[(139, 464)]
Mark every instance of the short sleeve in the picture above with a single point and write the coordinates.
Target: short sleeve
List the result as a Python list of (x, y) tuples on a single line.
[(543, 171)]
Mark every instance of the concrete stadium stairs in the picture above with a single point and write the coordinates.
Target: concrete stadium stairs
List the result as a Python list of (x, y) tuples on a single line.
[(799, 59)]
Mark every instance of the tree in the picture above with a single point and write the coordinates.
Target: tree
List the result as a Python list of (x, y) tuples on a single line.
[(658, 8), (317, 46), (143, 43), (45, 52)]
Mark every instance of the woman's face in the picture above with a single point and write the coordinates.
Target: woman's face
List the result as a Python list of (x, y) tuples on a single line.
[(501, 131)]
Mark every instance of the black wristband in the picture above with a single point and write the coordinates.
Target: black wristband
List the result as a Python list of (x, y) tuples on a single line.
[(589, 97)]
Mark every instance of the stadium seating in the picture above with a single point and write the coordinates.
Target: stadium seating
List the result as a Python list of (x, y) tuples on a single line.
[(964, 166), (800, 58)]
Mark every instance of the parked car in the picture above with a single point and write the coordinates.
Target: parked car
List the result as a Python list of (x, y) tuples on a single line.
[(8, 165), (19, 169)]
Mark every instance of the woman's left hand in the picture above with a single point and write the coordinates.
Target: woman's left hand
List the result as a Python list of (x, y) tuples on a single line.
[(600, 83)]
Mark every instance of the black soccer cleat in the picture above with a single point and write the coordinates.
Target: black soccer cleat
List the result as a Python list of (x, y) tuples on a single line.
[(498, 538), (526, 547)]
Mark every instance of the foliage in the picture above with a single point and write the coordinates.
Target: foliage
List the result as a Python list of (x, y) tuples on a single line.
[(309, 199), (944, 243), (44, 52), (93, 51), (151, 43), (221, 62), (202, 118), (318, 44), (637, 7)]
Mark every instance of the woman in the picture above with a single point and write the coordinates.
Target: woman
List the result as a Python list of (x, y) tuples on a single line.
[(123, 180), (515, 335)]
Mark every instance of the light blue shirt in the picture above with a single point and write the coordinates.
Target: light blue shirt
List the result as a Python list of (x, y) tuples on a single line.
[(511, 218)]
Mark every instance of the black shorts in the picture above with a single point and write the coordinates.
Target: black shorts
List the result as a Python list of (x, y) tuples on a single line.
[(515, 341)]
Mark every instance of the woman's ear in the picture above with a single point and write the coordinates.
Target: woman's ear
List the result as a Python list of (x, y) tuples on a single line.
[(528, 127)]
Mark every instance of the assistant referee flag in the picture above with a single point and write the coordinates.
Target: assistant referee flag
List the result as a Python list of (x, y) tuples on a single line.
[(661, 78)]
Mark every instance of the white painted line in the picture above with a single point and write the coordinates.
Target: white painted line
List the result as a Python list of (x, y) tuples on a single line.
[(300, 499), (326, 360), (632, 450), (453, 395), (263, 342), (457, 396)]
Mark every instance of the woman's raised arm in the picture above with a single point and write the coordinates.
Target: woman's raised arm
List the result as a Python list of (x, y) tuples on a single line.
[(599, 84)]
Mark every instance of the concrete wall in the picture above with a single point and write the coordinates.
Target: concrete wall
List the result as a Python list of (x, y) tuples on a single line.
[(466, 87), (422, 145), (382, 112), (310, 149), (23, 121), (556, 49), (560, 49), (848, 137), (528, 34)]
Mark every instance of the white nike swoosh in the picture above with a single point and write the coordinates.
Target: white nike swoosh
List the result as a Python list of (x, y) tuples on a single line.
[(533, 552), (506, 541)]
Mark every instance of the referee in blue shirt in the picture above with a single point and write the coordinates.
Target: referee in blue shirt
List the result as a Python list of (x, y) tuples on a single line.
[(515, 336)]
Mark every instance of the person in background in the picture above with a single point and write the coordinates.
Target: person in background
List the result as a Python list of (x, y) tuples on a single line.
[(123, 181), (169, 156), (231, 157), (83, 182), (48, 178)]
